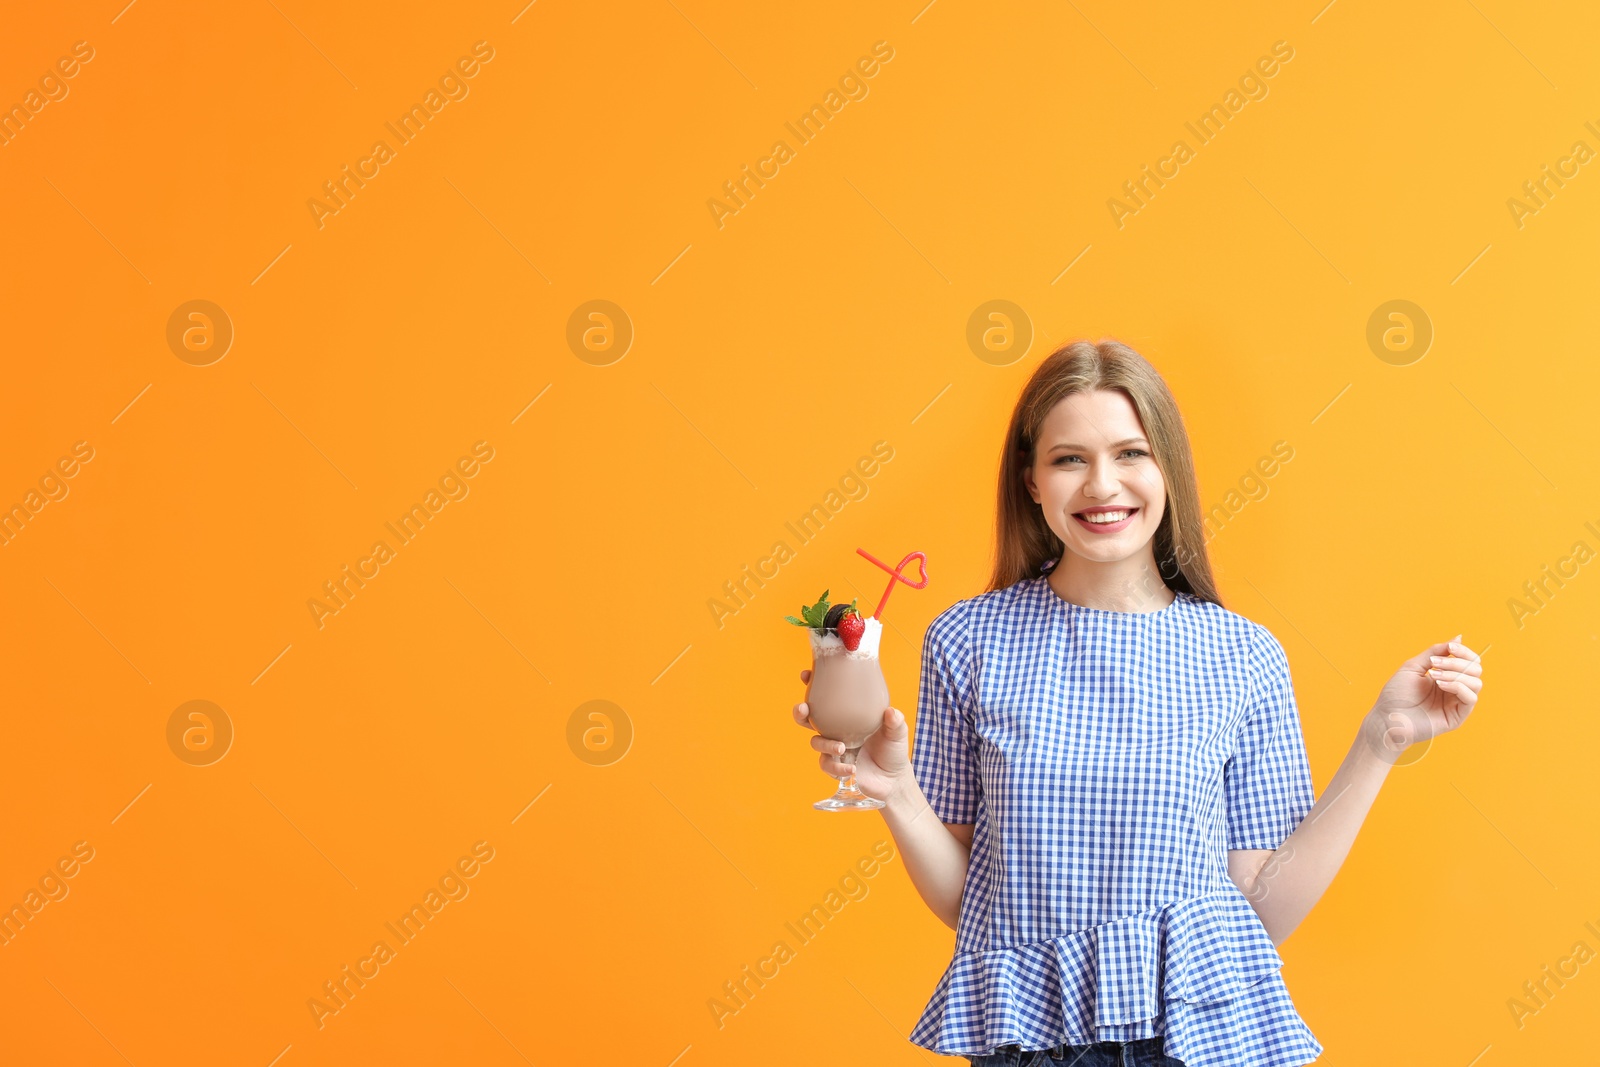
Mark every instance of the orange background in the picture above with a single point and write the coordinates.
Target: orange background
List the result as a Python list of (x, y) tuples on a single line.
[(770, 353)]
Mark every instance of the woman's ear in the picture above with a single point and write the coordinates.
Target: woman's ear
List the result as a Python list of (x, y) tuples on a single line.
[(1027, 480)]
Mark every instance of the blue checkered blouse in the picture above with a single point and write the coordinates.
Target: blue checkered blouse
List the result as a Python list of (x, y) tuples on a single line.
[(1109, 760)]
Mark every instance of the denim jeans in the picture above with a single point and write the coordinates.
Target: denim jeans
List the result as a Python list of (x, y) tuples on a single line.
[(1147, 1053)]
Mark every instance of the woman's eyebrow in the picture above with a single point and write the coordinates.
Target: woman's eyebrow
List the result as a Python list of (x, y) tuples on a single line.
[(1115, 444)]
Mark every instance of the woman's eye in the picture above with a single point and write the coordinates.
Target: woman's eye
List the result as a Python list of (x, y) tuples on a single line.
[(1125, 452)]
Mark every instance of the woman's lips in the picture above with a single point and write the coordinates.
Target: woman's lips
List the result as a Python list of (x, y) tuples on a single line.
[(1107, 527)]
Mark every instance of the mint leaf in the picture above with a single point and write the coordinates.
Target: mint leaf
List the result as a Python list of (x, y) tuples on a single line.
[(819, 610), (813, 615)]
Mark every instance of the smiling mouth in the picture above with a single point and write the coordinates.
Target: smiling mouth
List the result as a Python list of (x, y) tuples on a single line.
[(1105, 518), (1105, 522)]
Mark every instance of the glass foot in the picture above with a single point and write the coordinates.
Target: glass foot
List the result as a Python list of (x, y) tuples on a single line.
[(848, 798)]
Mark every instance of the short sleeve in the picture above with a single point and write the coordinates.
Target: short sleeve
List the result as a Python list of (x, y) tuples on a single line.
[(944, 754), (1267, 782)]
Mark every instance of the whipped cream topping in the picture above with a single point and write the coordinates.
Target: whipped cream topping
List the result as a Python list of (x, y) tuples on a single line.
[(832, 644)]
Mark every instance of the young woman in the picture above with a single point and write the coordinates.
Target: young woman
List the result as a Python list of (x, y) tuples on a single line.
[(1123, 828)]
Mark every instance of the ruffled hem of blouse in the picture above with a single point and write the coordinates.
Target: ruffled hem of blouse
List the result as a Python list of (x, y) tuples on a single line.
[(1201, 972)]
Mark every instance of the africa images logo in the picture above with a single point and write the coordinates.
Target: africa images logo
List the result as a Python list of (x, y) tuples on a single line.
[(452, 86), (852, 86), (340, 990), (1252, 86)]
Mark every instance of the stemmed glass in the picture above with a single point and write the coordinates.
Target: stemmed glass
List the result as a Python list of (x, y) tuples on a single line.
[(846, 694), (846, 697)]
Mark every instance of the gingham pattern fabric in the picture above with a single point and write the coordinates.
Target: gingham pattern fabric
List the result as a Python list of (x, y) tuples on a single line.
[(1109, 760)]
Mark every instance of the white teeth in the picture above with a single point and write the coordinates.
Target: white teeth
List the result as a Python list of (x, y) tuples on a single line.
[(1107, 517)]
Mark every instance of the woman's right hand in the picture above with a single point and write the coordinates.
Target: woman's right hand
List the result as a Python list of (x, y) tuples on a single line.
[(880, 763)]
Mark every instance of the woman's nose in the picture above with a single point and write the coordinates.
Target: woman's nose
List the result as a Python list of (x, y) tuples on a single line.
[(1103, 480)]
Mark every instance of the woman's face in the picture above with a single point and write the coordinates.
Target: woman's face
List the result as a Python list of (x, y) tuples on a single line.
[(1091, 460)]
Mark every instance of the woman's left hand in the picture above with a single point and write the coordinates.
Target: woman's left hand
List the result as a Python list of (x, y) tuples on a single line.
[(1432, 693)]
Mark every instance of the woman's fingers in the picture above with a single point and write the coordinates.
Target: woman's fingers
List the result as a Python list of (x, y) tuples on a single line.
[(802, 710), (827, 745), (1462, 688), (1450, 680), (1456, 665), (1459, 682), (831, 765)]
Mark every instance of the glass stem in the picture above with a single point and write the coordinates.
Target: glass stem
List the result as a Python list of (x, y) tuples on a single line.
[(847, 784)]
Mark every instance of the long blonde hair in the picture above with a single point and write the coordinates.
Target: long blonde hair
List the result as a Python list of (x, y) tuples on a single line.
[(1024, 542)]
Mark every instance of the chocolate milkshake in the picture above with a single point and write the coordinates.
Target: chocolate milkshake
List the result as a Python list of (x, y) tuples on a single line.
[(846, 694)]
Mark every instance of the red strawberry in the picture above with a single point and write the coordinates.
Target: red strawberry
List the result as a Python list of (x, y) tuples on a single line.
[(851, 627)]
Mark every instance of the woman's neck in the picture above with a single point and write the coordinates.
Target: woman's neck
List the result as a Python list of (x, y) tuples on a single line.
[(1131, 585)]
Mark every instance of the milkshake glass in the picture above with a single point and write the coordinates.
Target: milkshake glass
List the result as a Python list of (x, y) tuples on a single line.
[(847, 696)]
